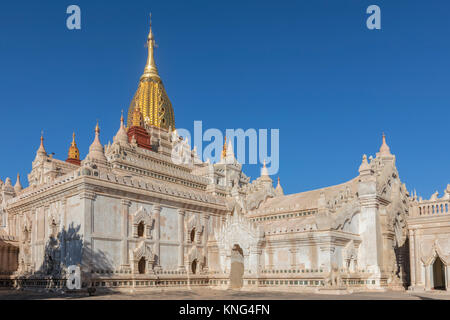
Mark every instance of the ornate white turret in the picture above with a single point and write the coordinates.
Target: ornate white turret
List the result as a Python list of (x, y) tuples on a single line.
[(41, 150), (279, 189), (8, 190), (96, 152), (230, 159), (364, 168), (384, 149), (121, 136), (18, 186), (265, 173)]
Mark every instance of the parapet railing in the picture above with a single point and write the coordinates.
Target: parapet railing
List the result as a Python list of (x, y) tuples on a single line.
[(431, 208)]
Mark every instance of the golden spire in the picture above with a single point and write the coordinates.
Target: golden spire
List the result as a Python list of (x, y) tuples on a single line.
[(150, 68), (224, 149), (151, 97), (74, 153)]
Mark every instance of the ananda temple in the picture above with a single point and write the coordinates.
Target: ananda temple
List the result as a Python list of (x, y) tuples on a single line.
[(130, 217)]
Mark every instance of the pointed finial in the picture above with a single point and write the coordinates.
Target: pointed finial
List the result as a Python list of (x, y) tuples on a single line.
[(97, 128), (150, 68), (384, 149), (73, 138), (18, 185), (41, 149), (73, 155), (121, 117), (265, 171), (279, 188), (364, 168)]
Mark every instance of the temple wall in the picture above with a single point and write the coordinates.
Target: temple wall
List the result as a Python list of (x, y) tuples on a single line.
[(73, 218), (107, 217), (168, 224)]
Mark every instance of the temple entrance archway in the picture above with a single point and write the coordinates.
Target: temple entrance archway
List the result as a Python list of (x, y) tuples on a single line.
[(141, 266), (438, 274), (237, 267)]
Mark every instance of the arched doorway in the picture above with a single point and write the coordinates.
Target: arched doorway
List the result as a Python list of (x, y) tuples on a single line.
[(438, 274), (141, 265), (194, 266), (237, 267)]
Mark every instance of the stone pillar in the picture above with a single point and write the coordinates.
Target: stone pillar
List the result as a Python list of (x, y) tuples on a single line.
[(254, 262), (428, 277), (181, 214), (447, 277), (205, 240), (3, 254), (15, 261), (326, 252), (62, 230), (157, 247), (371, 257), (270, 252), (11, 258), (247, 269), (293, 252), (372, 243), (87, 198), (412, 257), (124, 234), (419, 280)]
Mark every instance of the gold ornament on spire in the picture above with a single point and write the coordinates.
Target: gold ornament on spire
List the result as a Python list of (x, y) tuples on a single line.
[(224, 149), (74, 154), (137, 118), (151, 97)]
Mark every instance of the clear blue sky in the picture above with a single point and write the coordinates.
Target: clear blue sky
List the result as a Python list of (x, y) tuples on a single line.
[(310, 68)]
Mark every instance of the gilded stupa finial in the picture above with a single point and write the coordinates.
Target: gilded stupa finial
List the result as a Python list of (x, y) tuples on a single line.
[(150, 68), (73, 155), (151, 96), (224, 149)]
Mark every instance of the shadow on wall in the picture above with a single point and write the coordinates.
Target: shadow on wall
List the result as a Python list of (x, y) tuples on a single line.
[(8, 257), (66, 248), (402, 258)]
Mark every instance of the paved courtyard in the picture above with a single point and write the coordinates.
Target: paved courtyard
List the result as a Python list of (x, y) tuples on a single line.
[(209, 294)]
